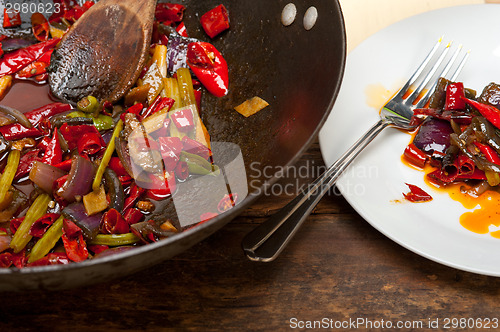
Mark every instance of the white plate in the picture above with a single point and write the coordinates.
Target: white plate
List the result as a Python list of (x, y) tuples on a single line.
[(377, 178)]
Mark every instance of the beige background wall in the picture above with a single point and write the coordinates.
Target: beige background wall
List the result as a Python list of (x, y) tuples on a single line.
[(365, 17)]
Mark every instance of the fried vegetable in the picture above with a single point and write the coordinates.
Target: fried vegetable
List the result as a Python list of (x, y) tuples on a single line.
[(9, 173), (37, 209), (48, 241), (251, 106)]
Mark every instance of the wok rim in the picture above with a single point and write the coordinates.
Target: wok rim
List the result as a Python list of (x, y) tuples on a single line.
[(222, 219)]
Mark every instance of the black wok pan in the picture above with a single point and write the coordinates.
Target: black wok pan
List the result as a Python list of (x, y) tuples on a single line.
[(298, 72)]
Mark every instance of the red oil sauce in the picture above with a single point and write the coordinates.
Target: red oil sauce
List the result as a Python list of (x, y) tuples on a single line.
[(484, 209), (25, 95)]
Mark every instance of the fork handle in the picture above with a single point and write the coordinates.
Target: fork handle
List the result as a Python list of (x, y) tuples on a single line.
[(267, 240)]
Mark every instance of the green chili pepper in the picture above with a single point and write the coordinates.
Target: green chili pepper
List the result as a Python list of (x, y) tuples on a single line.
[(101, 122), (199, 165), (36, 210), (107, 156), (88, 104), (9, 172), (115, 239), (48, 241)]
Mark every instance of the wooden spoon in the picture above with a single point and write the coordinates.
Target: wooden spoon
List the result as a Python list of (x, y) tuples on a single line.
[(104, 52)]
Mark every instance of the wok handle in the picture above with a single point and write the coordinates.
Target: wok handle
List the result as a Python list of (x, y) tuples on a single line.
[(267, 240)]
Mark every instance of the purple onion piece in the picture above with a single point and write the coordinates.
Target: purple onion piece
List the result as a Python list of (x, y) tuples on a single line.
[(12, 44), (433, 136), (88, 224), (79, 180), (177, 52), (113, 251), (4, 242), (44, 175)]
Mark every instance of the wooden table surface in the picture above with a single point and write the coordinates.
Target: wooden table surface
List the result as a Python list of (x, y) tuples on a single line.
[(338, 268)]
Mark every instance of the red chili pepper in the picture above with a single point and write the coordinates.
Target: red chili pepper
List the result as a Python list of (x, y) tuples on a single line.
[(19, 260), (125, 180), (90, 143), (163, 187), (5, 259), (169, 13), (227, 202), (491, 113), (64, 165), (17, 131), (159, 104), (116, 166), (11, 18), (181, 30), (136, 192), (40, 27), (454, 96), (183, 119), (73, 241), (489, 153), (416, 194), (133, 216), (26, 163), (459, 116), (465, 165), (134, 109), (61, 181), (14, 224), (181, 170), (72, 134), (40, 226), (46, 56), (415, 156), (53, 153), (97, 248), (215, 21), (163, 40), (195, 147), (114, 223), (54, 258), (33, 69), (16, 60), (209, 66), (170, 148), (88, 4), (204, 218), (197, 96)]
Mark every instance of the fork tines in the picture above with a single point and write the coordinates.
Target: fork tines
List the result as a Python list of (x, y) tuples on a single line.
[(439, 68)]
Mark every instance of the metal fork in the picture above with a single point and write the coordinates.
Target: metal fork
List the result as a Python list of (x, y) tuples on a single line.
[(267, 240)]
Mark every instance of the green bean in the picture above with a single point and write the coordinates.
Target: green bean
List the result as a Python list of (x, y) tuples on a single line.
[(36, 210), (199, 165), (107, 156), (9, 173), (114, 240), (48, 241), (88, 104)]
